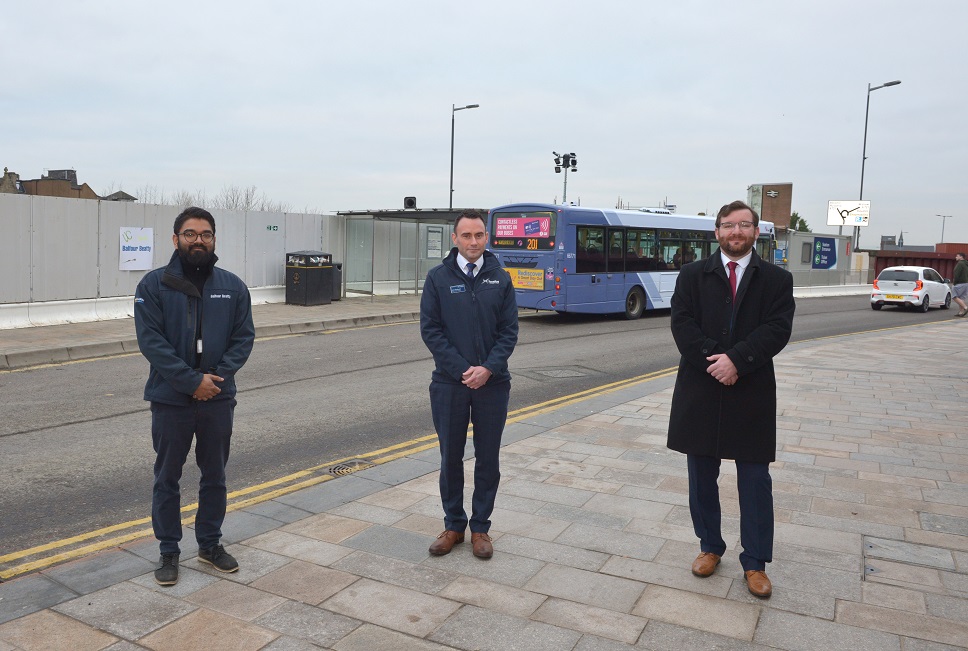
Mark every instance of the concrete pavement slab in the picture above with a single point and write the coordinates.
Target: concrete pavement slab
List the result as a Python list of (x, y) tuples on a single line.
[(126, 610), (30, 593), (702, 612), (592, 588), (234, 599), (477, 629), (369, 637), (589, 619), (305, 582), (98, 571), (392, 542), (422, 578), (50, 630), (310, 623), (393, 607), (205, 629)]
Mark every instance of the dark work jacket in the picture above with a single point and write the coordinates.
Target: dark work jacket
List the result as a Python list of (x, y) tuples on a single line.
[(708, 418), (468, 322), (169, 311)]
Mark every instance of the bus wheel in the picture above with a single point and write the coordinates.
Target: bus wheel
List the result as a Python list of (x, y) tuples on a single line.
[(634, 303)]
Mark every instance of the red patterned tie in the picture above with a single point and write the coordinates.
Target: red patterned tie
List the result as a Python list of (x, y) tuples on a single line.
[(732, 276)]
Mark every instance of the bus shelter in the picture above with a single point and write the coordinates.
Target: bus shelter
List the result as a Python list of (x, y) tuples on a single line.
[(389, 252)]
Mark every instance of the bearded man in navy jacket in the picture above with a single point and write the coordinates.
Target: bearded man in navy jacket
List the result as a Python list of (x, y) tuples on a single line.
[(194, 326), (469, 321)]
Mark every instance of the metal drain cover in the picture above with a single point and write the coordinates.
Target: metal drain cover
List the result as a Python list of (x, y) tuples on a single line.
[(560, 372), (556, 372), (349, 467)]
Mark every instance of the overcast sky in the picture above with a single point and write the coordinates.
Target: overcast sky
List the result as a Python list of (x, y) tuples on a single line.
[(347, 105)]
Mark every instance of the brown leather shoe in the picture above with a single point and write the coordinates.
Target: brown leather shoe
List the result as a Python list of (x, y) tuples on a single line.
[(759, 583), (482, 545), (446, 541), (705, 564)]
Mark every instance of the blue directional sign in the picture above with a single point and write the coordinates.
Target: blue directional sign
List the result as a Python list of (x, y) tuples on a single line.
[(824, 253)]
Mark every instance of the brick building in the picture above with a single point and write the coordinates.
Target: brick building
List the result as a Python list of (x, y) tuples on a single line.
[(773, 202)]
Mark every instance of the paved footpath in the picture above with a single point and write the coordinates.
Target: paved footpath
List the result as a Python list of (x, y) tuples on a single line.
[(593, 541)]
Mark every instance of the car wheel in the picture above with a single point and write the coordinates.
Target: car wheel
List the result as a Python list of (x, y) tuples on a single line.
[(634, 303), (947, 302), (876, 306), (926, 303)]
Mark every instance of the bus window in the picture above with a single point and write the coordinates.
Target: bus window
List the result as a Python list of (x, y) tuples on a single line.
[(640, 250), (616, 250), (670, 248), (695, 246), (590, 252)]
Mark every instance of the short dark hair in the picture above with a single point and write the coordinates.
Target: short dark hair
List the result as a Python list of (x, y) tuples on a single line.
[(960, 253), (193, 212), (470, 214), (733, 207)]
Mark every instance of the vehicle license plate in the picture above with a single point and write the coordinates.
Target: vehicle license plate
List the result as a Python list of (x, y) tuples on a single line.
[(894, 297)]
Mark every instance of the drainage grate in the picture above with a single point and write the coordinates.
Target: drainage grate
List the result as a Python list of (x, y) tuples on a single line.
[(349, 467)]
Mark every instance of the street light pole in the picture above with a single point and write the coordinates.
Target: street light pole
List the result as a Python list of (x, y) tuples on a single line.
[(943, 219), (864, 158), (453, 111)]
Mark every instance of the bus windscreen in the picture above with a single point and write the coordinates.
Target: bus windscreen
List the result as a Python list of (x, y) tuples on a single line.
[(527, 231)]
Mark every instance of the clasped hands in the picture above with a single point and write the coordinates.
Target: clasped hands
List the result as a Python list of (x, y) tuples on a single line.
[(723, 369), (475, 377), (207, 389)]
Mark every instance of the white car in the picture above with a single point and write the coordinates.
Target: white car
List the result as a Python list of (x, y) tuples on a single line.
[(917, 288)]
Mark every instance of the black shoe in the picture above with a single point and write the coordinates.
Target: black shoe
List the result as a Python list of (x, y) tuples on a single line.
[(218, 558), (167, 574)]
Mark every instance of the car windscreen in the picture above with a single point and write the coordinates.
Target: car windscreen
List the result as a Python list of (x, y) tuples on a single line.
[(897, 274)]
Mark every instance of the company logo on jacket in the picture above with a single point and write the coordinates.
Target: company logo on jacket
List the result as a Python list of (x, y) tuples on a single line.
[(488, 281)]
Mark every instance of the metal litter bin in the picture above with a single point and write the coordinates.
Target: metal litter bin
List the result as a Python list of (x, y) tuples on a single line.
[(309, 278)]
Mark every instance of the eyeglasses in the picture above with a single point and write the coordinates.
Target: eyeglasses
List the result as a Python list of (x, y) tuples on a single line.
[(743, 226), (191, 236)]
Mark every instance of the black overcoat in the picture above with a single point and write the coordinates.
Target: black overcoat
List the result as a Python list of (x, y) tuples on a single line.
[(709, 418)]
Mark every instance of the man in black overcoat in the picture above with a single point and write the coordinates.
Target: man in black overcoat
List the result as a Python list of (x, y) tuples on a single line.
[(731, 314)]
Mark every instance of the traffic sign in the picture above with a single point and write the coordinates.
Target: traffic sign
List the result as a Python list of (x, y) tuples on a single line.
[(848, 213)]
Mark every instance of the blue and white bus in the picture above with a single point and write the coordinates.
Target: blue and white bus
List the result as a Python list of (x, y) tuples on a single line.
[(596, 261)]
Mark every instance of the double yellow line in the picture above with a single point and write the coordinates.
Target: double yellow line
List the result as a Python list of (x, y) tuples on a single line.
[(107, 537)]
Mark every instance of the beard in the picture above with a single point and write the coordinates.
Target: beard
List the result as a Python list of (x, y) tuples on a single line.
[(737, 248), (196, 254)]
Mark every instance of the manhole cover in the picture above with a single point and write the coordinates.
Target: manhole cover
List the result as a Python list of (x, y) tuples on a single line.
[(560, 372), (551, 373), (349, 467)]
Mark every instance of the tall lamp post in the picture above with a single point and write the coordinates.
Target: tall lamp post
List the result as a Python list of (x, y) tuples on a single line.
[(943, 219), (453, 111), (864, 158)]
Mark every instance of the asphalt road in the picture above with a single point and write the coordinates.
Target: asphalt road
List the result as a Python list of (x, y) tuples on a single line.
[(75, 448)]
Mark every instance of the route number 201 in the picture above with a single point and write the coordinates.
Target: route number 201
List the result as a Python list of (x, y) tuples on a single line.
[(532, 245)]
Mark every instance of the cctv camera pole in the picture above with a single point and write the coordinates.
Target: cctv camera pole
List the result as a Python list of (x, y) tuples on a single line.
[(566, 161)]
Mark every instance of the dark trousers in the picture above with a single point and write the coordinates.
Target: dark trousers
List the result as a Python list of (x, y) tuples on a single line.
[(755, 509), (453, 406), (172, 431)]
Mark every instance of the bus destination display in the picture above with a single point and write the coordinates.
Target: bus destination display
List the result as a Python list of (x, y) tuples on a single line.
[(527, 231)]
